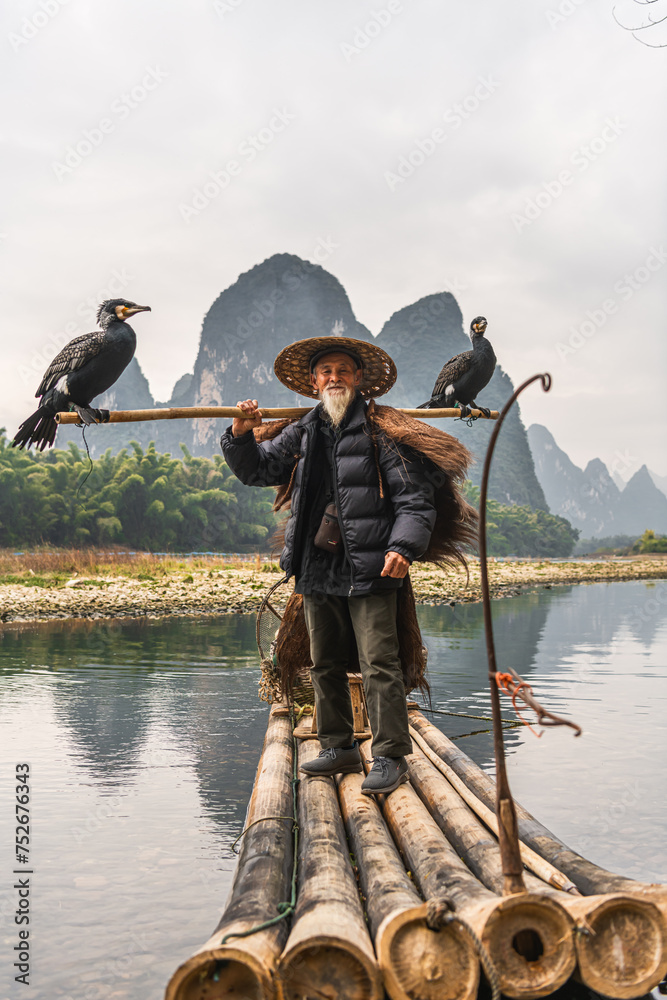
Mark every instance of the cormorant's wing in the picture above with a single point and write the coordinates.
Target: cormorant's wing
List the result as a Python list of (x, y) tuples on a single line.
[(453, 370), (72, 357)]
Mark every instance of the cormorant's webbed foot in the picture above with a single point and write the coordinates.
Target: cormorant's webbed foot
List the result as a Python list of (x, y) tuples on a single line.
[(465, 411), (89, 415), (483, 409)]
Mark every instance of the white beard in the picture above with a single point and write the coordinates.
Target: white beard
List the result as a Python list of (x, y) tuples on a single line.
[(335, 404)]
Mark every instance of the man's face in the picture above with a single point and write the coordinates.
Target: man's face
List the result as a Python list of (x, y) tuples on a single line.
[(336, 373)]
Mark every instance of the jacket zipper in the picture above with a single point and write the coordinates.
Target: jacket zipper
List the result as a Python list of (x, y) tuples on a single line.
[(334, 478)]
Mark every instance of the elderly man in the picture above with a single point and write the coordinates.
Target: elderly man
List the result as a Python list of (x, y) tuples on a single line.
[(362, 510)]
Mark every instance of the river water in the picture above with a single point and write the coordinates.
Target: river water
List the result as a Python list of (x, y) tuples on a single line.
[(143, 738)]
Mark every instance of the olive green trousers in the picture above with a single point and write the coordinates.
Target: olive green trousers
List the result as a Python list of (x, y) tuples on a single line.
[(333, 624)]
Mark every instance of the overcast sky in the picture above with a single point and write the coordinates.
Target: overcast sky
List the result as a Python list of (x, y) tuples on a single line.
[(511, 153)]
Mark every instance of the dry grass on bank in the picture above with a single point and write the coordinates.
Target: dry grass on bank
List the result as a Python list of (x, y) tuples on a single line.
[(51, 567)]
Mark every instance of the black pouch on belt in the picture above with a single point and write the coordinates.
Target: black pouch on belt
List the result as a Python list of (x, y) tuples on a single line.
[(328, 535)]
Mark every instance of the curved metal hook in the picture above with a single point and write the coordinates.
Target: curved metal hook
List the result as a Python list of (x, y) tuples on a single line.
[(639, 27), (546, 380), (507, 830)]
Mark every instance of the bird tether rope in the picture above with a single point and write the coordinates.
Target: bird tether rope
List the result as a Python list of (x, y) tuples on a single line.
[(87, 475)]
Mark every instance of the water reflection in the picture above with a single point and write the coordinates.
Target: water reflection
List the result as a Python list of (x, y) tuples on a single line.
[(597, 654), (144, 738)]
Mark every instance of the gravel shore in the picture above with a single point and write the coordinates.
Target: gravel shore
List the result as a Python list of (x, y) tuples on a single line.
[(239, 591)]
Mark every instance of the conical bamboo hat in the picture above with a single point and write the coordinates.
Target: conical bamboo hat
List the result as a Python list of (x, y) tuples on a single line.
[(292, 366)]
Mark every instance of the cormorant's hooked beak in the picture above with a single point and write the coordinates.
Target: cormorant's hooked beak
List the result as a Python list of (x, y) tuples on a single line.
[(131, 310)]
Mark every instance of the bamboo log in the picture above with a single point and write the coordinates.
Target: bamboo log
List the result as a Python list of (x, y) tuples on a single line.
[(528, 937), (244, 966), (279, 412), (329, 952), (628, 949), (417, 963), (589, 878), (621, 940), (621, 944), (463, 829), (536, 864)]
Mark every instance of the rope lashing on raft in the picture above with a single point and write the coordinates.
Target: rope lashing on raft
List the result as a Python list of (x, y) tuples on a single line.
[(262, 819), (285, 909), (441, 911)]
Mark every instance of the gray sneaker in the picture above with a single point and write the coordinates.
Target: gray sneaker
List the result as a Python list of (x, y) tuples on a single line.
[(335, 760), (386, 774)]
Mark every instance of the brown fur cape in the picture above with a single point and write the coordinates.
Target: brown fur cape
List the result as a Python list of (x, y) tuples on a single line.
[(455, 527)]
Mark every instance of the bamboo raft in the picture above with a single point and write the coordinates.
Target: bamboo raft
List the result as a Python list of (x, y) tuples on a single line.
[(417, 894), (403, 896)]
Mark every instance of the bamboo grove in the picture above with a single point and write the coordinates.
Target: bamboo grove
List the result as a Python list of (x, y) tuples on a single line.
[(137, 497), (156, 502)]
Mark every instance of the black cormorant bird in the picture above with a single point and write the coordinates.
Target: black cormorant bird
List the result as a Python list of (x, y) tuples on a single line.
[(86, 367), (462, 378)]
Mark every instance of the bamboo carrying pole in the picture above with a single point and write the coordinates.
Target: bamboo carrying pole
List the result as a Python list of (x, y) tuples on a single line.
[(417, 963), (513, 929), (621, 939), (244, 965), (329, 952), (190, 412)]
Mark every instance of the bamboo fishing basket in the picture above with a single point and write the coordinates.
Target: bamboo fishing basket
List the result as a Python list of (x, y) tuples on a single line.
[(402, 896)]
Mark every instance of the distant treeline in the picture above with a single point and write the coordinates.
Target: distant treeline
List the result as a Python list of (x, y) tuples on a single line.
[(514, 530), (650, 542), (622, 545), (151, 501)]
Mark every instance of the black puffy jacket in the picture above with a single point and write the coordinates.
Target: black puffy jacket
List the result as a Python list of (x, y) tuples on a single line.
[(401, 521)]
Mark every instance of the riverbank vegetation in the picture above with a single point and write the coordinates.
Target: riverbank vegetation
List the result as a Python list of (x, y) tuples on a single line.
[(138, 498), (514, 530), (152, 502)]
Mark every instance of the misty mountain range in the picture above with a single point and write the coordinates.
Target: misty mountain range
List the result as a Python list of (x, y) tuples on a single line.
[(597, 503), (285, 299)]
